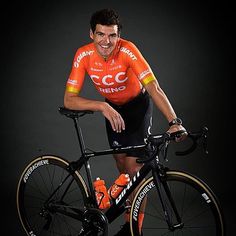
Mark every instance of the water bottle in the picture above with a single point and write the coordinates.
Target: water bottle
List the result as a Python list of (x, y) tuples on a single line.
[(102, 196), (120, 183)]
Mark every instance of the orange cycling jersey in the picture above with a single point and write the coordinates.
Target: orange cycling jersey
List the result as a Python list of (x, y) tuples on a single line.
[(119, 79)]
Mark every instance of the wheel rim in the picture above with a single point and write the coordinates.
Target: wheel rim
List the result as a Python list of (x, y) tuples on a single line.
[(193, 208), (35, 208)]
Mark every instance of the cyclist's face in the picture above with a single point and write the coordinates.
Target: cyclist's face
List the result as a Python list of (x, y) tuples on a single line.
[(105, 39)]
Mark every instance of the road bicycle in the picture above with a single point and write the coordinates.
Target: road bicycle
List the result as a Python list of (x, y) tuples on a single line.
[(55, 198)]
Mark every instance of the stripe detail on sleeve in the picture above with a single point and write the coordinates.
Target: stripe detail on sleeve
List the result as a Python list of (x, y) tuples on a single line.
[(147, 80), (72, 89)]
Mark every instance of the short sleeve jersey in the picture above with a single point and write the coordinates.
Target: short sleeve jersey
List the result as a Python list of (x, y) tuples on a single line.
[(119, 79)]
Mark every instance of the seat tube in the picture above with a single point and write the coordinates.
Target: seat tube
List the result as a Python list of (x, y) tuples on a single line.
[(83, 151), (79, 136)]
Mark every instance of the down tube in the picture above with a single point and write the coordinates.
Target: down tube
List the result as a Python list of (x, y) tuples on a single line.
[(117, 206)]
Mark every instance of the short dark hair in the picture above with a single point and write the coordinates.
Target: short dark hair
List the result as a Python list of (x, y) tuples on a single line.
[(105, 16)]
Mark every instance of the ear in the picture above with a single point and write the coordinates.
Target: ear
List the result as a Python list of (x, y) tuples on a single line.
[(91, 34)]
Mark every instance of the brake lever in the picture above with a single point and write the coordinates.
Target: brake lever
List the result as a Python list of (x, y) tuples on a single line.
[(165, 150)]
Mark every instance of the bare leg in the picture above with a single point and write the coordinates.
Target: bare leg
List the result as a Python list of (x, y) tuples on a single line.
[(128, 165)]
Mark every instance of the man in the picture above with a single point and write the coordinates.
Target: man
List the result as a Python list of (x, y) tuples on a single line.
[(121, 75)]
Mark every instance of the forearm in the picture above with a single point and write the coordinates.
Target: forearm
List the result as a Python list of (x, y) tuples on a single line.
[(75, 102), (160, 100)]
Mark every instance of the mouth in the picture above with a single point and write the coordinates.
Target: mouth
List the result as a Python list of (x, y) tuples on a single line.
[(105, 50), (104, 46)]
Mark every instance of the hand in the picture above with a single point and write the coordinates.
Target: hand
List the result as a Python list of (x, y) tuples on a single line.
[(175, 128), (114, 117)]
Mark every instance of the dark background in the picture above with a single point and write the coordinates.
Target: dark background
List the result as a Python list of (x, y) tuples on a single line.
[(188, 44)]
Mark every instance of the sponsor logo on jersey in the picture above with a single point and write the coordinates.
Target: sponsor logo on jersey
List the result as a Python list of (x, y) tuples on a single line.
[(95, 69), (72, 81), (112, 90), (143, 74), (129, 53), (115, 67), (81, 56), (112, 62), (109, 80), (98, 64), (104, 80)]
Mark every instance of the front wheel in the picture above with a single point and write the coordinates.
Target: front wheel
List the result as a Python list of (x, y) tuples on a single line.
[(197, 206), (49, 197)]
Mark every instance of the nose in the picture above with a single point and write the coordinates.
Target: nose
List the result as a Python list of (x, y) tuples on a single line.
[(107, 39)]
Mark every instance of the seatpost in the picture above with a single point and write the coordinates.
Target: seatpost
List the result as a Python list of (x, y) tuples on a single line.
[(79, 136), (83, 151)]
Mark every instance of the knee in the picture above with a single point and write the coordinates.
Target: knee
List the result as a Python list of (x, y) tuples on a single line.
[(132, 169), (127, 165), (120, 162)]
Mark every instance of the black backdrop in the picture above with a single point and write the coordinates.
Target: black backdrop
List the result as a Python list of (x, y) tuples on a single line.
[(189, 46)]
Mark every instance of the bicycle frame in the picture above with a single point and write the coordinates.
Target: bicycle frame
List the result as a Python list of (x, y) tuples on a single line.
[(169, 192), (117, 208)]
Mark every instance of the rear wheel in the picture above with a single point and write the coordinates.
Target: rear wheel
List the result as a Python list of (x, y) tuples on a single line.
[(49, 196), (197, 206)]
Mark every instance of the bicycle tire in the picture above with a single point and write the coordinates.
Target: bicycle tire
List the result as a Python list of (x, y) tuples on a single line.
[(37, 182), (196, 203)]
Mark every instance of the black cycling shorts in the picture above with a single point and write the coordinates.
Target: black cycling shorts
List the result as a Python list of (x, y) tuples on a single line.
[(137, 115)]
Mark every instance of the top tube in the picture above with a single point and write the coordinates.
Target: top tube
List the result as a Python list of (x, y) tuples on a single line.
[(156, 140)]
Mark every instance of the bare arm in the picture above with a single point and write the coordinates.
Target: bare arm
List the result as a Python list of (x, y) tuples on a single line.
[(73, 101), (161, 101)]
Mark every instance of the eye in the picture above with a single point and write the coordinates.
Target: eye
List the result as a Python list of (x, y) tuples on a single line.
[(100, 34), (113, 35)]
